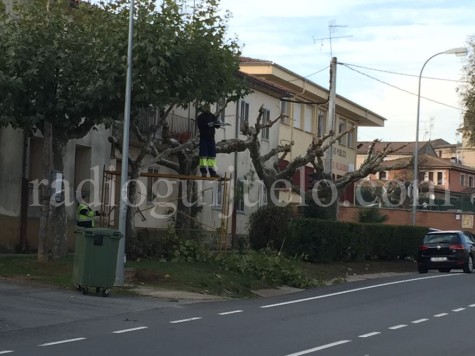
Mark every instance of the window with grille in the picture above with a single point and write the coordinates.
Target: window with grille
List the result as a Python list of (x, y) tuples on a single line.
[(240, 196)]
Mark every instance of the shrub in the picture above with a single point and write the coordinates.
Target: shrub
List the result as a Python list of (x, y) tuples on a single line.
[(268, 227), (269, 266), (168, 245), (325, 241), (371, 215)]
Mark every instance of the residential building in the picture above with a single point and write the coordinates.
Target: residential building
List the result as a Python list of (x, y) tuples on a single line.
[(446, 183)]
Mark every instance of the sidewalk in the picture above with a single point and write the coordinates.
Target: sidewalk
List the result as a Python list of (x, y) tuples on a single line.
[(184, 296)]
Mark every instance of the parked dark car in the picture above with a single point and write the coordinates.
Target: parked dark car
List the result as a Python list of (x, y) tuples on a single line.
[(446, 250)]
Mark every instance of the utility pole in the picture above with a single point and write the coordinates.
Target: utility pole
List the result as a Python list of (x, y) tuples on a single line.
[(330, 123)]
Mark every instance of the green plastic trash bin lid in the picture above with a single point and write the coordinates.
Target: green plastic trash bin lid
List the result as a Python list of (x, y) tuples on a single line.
[(95, 257)]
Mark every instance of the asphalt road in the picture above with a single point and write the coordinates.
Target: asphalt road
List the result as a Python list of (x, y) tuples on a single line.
[(429, 314)]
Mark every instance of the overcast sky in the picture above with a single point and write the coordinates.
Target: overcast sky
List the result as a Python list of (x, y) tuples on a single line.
[(386, 35)]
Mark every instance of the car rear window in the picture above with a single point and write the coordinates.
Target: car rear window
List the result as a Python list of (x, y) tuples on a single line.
[(442, 238)]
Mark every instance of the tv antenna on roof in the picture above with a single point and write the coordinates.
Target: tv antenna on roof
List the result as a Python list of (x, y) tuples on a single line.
[(331, 29)]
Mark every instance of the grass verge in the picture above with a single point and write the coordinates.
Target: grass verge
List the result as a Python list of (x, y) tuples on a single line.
[(202, 277)]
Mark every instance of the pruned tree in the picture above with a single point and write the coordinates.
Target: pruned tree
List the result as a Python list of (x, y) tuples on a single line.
[(269, 173)]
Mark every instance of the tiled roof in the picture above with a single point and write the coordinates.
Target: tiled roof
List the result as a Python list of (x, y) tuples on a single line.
[(363, 146), (391, 162), (252, 60), (278, 89)]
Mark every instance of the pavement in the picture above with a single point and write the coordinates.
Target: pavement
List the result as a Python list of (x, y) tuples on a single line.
[(187, 297)]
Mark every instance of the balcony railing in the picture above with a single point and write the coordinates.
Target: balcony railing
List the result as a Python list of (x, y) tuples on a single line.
[(181, 128)]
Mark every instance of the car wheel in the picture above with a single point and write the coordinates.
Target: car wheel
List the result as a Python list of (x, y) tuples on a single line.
[(468, 268), (422, 269), (444, 270)]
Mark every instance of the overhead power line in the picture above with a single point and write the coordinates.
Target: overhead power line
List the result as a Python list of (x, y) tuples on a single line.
[(308, 76), (401, 89), (403, 74)]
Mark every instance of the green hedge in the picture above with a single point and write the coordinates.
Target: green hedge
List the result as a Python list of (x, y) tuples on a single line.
[(325, 241)]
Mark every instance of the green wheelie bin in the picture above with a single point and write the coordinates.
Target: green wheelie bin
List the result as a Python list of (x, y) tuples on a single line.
[(95, 259)]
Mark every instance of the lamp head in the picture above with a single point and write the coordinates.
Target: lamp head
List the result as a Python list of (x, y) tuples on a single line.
[(459, 51)]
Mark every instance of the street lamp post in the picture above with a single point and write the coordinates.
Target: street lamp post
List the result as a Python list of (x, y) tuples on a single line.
[(459, 51), (124, 176)]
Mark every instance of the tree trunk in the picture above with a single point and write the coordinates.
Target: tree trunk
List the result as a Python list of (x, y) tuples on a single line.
[(45, 202), (59, 224), (187, 213)]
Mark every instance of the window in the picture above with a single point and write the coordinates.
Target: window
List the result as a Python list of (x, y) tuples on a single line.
[(221, 105), (341, 128), (284, 111), (263, 194), (240, 196), (383, 175), (462, 180), (470, 181), (440, 178), (151, 195), (321, 124), (351, 137), (217, 195), (244, 115), (265, 120), (297, 115), (431, 176), (307, 120)]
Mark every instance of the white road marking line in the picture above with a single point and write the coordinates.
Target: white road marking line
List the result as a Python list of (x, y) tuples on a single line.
[(184, 320), (6, 352), (63, 341), (458, 309), (440, 315), (128, 330), (370, 334), (318, 348), (357, 290), (395, 327), (472, 305), (231, 312), (419, 321)]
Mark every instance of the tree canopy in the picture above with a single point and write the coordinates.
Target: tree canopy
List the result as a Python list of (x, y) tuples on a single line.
[(467, 94)]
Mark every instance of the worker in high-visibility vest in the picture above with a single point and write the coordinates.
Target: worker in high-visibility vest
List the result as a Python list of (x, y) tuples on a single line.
[(84, 214), (207, 123)]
